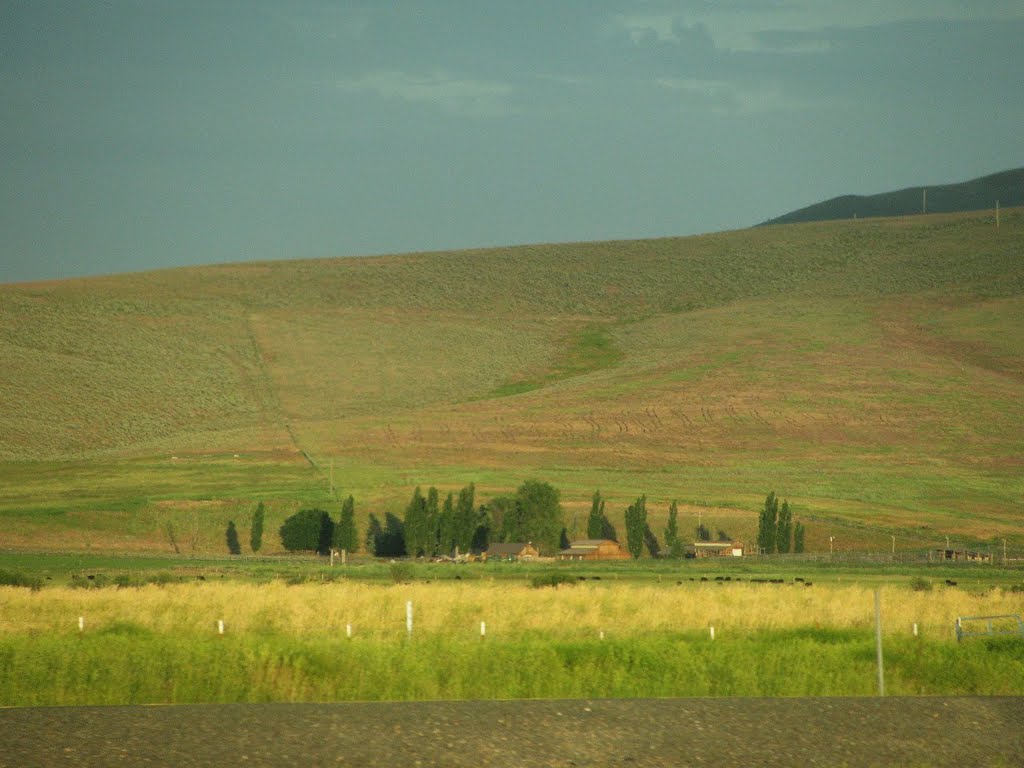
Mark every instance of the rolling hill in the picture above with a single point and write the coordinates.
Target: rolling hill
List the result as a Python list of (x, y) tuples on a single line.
[(1006, 188), (869, 371)]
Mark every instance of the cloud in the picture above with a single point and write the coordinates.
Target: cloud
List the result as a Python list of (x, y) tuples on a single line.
[(464, 96), (727, 97), (791, 27)]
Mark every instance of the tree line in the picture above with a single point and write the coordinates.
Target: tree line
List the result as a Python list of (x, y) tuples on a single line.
[(533, 513)]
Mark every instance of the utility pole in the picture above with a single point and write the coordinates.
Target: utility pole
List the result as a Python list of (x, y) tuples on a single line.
[(997, 214), (894, 545), (924, 201)]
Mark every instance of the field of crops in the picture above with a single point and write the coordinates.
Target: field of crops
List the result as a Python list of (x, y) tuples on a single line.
[(868, 371)]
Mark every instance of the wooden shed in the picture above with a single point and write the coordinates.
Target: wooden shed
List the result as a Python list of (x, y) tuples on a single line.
[(594, 549), (512, 550), (717, 549)]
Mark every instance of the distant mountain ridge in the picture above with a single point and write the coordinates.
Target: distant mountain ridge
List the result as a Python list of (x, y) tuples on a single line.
[(1006, 187)]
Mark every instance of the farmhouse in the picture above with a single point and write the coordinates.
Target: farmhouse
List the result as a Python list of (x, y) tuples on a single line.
[(594, 549), (717, 549), (512, 550)]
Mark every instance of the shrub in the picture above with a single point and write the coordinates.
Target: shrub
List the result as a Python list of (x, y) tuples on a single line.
[(15, 579), (920, 584), (551, 580), (308, 529), (401, 573)]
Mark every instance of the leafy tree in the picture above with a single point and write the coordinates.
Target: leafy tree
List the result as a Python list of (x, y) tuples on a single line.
[(374, 534), (673, 543), (466, 519), (784, 529), (798, 539), (433, 522), (636, 524), (232, 539), (256, 529), (482, 536), (417, 533), (723, 536), (308, 529), (703, 533), (536, 516), (446, 527), (392, 540), (595, 521), (497, 510), (345, 536), (767, 524)]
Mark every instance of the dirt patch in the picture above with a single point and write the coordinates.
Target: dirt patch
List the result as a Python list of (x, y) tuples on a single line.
[(850, 732)]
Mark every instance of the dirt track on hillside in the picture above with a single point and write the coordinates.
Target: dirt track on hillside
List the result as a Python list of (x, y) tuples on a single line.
[(831, 732)]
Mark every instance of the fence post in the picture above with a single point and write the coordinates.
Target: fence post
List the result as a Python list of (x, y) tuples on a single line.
[(878, 641), (408, 617)]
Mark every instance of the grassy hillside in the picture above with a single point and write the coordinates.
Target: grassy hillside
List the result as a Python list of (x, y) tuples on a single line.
[(1006, 188), (871, 372)]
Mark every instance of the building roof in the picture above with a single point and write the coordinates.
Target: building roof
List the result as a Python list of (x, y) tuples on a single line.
[(508, 547), (587, 546), (717, 544)]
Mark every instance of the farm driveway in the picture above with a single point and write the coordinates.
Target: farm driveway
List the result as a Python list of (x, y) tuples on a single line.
[(831, 732)]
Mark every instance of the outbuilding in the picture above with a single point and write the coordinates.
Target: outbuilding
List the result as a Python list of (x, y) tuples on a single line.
[(717, 549), (594, 549), (512, 550)]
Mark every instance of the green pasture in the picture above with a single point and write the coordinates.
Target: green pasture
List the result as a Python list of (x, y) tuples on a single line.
[(867, 371), (127, 664)]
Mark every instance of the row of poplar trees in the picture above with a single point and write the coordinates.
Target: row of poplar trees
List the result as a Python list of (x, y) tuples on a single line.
[(776, 531)]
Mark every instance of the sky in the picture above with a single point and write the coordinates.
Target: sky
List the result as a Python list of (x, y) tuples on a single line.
[(144, 134)]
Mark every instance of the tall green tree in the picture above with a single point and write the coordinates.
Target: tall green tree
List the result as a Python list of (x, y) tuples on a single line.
[(608, 530), (392, 539), (446, 527), (466, 518), (231, 535), (673, 543), (308, 529), (636, 525), (595, 528), (345, 536), (784, 529), (433, 522), (537, 516), (256, 528), (767, 524), (417, 534), (798, 538)]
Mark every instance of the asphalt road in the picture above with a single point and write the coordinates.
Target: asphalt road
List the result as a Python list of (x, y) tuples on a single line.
[(832, 732)]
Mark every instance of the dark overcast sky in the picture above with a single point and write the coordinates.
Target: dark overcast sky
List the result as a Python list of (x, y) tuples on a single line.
[(147, 134)]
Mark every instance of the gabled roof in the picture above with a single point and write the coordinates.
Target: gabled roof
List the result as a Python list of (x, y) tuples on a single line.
[(508, 547)]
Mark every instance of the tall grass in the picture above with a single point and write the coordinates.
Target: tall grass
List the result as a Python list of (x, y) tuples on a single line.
[(127, 664), (290, 643)]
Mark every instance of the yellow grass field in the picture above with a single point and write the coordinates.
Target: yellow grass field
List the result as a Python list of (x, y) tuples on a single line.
[(510, 611)]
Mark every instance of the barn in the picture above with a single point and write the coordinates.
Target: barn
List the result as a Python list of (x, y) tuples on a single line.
[(717, 549), (512, 550), (593, 549)]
